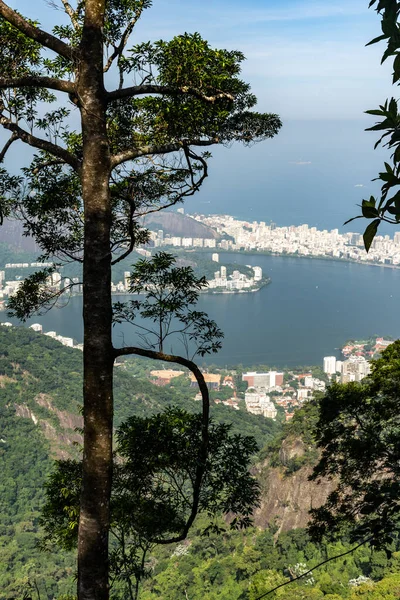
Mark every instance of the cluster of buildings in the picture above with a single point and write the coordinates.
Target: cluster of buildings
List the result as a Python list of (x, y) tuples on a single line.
[(65, 341), (365, 348), (302, 240), (288, 392), (54, 282), (265, 390), (258, 403), (237, 281), (355, 368), (356, 365), (159, 240)]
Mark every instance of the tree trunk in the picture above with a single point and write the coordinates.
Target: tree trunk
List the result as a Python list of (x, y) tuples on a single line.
[(97, 313)]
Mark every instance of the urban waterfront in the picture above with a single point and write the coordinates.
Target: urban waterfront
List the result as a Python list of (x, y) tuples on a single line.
[(307, 312)]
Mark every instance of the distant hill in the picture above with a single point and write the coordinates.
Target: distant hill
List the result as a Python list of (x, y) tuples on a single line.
[(12, 233), (179, 225)]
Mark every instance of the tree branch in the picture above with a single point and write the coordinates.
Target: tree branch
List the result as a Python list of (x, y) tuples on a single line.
[(34, 33), (139, 90), (71, 13), (124, 39), (40, 143), (7, 145), (49, 163), (37, 81), (131, 236), (122, 157), (366, 540), (203, 451)]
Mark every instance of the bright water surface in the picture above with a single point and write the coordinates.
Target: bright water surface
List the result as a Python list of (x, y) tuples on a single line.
[(307, 312)]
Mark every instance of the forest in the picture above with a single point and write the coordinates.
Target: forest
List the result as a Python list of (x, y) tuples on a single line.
[(222, 564)]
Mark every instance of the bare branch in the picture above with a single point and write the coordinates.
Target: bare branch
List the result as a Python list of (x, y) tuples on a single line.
[(365, 541), (139, 90), (203, 450), (49, 163), (124, 39), (37, 82), (139, 151), (71, 13), (131, 236), (34, 33), (40, 143), (7, 145)]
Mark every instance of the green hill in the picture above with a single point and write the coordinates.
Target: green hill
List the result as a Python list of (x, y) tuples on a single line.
[(40, 400)]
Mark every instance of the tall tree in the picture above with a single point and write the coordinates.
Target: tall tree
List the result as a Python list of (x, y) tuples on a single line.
[(139, 148)]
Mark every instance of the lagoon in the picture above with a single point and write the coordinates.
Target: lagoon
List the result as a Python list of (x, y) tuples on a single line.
[(308, 311)]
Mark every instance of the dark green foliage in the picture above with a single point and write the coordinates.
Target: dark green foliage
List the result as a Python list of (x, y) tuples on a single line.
[(359, 433), (244, 565), (24, 465), (153, 487), (36, 364), (300, 428), (386, 208)]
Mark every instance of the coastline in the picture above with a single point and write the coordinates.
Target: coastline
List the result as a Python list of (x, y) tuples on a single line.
[(310, 257)]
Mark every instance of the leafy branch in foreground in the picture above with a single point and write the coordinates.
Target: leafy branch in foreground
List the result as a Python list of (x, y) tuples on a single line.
[(154, 488), (169, 293), (387, 207)]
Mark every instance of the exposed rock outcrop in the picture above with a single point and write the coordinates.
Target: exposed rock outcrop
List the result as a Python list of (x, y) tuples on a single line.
[(286, 499), (63, 438)]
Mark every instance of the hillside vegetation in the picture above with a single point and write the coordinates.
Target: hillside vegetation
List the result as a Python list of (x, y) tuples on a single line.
[(40, 401)]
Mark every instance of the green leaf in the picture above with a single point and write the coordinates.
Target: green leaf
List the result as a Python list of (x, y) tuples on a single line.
[(353, 219), (377, 39), (368, 209), (377, 113), (370, 233)]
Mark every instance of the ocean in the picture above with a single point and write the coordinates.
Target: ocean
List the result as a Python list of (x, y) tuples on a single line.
[(314, 172)]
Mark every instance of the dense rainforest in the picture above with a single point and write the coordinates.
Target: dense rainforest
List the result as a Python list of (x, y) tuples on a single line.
[(40, 399)]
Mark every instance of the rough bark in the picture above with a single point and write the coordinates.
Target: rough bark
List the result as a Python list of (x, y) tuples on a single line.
[(98, 357)]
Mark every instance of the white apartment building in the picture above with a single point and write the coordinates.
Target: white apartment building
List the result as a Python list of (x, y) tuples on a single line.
[(258, 403), (257, 273), (355, 369), (330, 365)]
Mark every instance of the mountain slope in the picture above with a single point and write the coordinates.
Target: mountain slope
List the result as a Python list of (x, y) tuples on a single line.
[(40, 400)]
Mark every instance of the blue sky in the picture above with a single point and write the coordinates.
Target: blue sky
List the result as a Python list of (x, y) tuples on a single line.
[(306, 59)]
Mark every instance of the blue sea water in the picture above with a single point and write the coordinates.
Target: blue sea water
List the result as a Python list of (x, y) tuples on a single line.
[(306, 174)]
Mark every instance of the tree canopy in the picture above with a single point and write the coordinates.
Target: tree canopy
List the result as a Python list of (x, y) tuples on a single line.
[(359, 434)]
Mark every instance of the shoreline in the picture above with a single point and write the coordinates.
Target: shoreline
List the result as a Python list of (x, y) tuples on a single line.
[(309, 257)]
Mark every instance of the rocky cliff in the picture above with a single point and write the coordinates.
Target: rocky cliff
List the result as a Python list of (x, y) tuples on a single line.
[(179, 225)]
